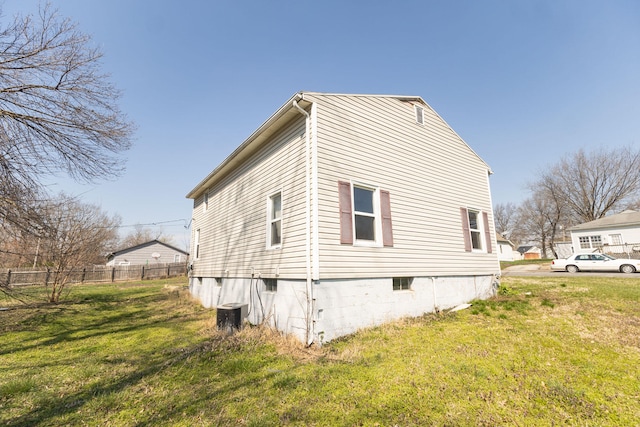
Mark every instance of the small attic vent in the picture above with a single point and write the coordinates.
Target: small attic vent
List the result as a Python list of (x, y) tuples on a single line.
[(419, 115)]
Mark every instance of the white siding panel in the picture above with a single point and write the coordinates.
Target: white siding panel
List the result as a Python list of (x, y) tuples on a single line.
[(233, 228), (430, 174)]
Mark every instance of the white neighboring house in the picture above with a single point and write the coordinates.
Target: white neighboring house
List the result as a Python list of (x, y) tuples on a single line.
[(506, 249), (618, 235), (342, 212), (147, 253)]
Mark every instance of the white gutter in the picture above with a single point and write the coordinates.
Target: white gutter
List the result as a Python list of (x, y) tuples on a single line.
[(309, 287)]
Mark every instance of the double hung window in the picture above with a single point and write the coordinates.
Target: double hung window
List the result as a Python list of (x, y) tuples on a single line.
[(475, 225), (274, 221), (196, 243), (365, 215), (474, 229)]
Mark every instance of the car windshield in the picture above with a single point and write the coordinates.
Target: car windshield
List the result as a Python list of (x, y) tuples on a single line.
[(608, 257)]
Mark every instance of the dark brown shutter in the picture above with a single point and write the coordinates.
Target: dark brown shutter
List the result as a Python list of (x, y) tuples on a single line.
[(465, 229), (385, 213), (346, 221), (487, 233)]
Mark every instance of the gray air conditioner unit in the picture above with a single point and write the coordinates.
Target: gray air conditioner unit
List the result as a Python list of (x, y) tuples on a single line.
[(231, 315)]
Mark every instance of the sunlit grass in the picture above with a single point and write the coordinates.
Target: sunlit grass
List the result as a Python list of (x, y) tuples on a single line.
[(544, 351)]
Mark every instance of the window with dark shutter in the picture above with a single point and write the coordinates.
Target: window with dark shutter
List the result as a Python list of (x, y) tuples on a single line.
[(464, 216), (385, 213), (475, 224), (487, 233), (346, 221), (365, 215)]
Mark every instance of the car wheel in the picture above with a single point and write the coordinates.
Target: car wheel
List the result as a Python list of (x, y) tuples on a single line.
[(627, 268), (572, 269)]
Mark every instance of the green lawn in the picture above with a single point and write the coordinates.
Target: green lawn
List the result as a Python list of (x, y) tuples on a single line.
[(546, 351)]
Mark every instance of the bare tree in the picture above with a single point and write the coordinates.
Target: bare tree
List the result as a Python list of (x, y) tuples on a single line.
[(594, 184), (552, 209), (505, 216), (142, 234), (58, 112), (534, 214), (72, 234)]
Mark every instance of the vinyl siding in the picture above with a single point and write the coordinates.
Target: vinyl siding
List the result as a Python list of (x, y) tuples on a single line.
[(233, 228), (429, 172)]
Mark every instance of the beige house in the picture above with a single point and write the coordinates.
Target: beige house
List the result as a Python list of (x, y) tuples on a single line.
[(342, 212)]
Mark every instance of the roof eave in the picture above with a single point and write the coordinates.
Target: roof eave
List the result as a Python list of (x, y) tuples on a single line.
[(254, 142)]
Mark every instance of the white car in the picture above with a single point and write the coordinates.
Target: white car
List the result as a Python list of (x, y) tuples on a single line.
[(595, 262)]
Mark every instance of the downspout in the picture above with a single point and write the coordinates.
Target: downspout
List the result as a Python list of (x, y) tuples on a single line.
[(315, 226), (309, 287)]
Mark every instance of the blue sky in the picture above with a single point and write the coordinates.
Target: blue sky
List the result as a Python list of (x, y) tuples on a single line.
[(522, 82)]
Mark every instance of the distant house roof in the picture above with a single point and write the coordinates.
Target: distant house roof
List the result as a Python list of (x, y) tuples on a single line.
[(626, 218), (524, 249), (142, 245), (501, 239)]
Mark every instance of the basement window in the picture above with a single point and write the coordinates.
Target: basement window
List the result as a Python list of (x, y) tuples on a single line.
[(402, 283), (270, 285)]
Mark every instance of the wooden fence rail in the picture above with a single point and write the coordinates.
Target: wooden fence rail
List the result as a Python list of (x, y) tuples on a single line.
[(97, 274)]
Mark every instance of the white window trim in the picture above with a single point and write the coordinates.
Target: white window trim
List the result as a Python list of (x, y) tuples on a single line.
[(270, 221), (196, 244), (479, 230), (377, 220)]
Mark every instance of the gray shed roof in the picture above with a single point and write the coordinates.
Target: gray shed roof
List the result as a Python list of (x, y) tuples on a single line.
[(623, 219)]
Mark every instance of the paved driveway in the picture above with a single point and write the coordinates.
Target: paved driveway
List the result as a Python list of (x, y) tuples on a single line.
[(543, 270)]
